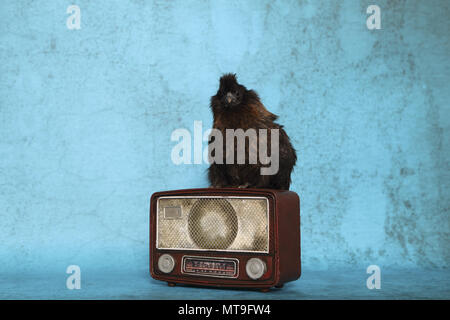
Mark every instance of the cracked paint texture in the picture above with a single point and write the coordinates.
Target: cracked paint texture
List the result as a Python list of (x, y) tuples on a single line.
[(86, 118)]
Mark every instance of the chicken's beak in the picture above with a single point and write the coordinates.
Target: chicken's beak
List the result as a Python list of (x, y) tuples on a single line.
[(229, 97)]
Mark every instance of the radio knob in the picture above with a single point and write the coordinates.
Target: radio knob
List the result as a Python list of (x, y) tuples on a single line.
[(255, 268), (166, 263)]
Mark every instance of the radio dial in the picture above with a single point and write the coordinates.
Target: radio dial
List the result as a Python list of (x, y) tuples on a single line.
[(166, 263), (255, 268)]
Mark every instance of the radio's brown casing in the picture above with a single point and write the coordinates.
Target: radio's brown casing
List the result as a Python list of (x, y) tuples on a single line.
[(283, 259)]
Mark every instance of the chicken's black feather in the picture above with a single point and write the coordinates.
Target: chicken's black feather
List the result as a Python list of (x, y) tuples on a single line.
[(236, 107)]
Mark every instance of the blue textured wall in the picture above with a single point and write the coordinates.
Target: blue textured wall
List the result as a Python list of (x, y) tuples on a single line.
[(86, 118)]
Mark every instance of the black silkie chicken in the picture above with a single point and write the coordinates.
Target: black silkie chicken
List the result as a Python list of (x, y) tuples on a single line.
[(235, 107)]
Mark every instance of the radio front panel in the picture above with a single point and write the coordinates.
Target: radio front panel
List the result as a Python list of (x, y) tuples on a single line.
[(221, 223)]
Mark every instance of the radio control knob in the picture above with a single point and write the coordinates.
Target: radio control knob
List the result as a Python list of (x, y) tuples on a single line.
[(166, 263), (255, 268)]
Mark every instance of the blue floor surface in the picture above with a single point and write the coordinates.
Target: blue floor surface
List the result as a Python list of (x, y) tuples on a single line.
[(330, 284)]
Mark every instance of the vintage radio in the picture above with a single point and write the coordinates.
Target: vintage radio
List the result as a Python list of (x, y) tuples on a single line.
[(225, 237)]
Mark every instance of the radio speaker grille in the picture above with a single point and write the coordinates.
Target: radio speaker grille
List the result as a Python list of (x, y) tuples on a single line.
[(213, 223)]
